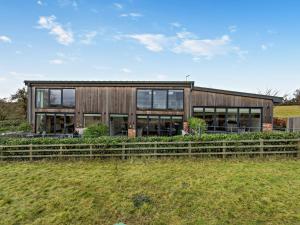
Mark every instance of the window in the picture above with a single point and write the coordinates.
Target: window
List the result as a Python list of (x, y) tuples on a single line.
[(159, 99), (144, 99), (91, 119), (69, 97), (118, 124), (159, 125), (221, 119), (42, 96), (175, 99), (55, 97), (55, 123), (49, 98)]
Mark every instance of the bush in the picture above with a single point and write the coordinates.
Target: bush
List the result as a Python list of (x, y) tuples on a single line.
[(95, 131), (24, 127), (197, 125)]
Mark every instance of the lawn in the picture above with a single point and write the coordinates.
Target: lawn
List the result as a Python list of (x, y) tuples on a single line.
[(173, 192), (287, 111)]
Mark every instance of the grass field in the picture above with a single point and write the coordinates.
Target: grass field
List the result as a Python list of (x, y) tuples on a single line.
[(287, 111), (151, 192)]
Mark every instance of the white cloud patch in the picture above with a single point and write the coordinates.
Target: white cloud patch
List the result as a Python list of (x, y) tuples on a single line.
[(126, 70), (88, 38), (5, 39), (39, 2), (56, 61), (132, 15), (266, 46), (66, 3), (118, 5), (188, 43), (161, 77), (153, 42), (207, 48), (176, 24), (63, 36), (232, 28)]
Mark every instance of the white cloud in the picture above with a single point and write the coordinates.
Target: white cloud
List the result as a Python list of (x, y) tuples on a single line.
[(207, 48), (125, 70), (64, 3), (88, 37), (39, 2), (232, 28), (118, 5), (5, 39), (161, 77), (175, 24), (185, 35), (21, 76), (153, 42), (56, 61), (263, 47), (64, 37), (132, 15)]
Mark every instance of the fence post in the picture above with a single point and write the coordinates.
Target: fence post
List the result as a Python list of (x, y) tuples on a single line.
[(190, 149), (261, 148), (60, 149), (30, 152), (155, 150), (91, 151), (123, 151), (224, 150), (1, 152)]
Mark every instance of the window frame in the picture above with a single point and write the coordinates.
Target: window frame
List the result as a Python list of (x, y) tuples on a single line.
[(91, 114), (51, 106), (167, 99)]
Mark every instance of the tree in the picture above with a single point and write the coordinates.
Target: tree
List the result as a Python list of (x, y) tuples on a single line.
[(197, 125), (3, 109), (20, 97), (269, 92)]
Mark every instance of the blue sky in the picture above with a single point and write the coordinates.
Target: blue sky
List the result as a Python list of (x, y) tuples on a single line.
[(237, 45)]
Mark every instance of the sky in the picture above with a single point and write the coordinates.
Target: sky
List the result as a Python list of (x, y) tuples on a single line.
[(240, 45)]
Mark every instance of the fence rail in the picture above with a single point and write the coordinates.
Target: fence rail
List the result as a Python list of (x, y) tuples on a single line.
[(222, 149)]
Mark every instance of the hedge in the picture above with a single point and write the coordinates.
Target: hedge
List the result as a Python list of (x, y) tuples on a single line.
[(116, 140)]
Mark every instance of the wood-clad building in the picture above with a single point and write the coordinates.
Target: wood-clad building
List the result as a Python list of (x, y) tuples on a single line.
[(144, 107)]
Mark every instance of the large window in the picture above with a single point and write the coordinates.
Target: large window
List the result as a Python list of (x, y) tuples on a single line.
[(42, 96), (118, 124), (160, 99), (144, 99), (54, 98), (159, 125), (91, 119), (221, 119), (55, 123), (175, 99), (69, 97)]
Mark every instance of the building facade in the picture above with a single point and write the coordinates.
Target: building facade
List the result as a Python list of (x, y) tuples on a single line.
[(142, 108)]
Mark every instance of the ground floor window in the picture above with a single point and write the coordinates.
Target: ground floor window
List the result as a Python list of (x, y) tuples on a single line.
[(150, 125), (230, 119), (55, 123), (118, 124), (91, 119)]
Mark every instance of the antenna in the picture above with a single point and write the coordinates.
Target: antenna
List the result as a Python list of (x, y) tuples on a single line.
[(186, 77)]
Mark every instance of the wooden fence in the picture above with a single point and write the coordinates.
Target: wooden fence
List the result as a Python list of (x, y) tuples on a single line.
[(221, 149)]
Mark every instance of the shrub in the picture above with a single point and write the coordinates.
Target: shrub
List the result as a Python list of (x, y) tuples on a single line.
[(197, 125), (25, 127), (96, 130)]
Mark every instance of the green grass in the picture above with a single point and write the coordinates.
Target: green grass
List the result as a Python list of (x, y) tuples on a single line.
[(287, 111), (173, 191)]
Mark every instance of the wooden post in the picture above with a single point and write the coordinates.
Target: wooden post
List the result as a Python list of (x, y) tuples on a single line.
[(155, 150), (60, 147), (261, 148), (190, 149), (91, 151), (298, 155), (30, 152), (123, 151), (224, 150), (1, 153)]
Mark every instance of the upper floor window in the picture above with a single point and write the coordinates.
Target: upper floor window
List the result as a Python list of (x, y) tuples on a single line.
[(144, 99), (42, 97), (160, 99), (46, 98), (175, 99)]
